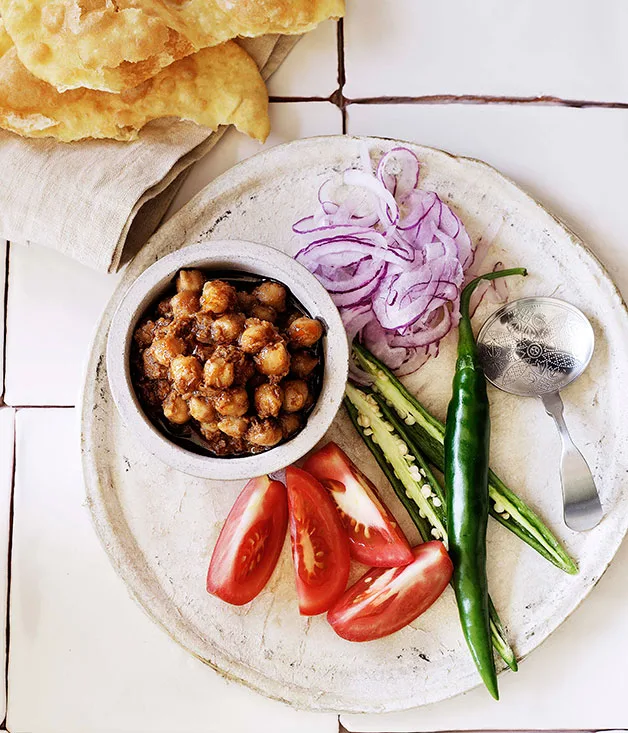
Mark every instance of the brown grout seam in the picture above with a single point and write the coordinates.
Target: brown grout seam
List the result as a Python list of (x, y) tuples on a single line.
[(280, 100), (342, 729), (478, 99), (9, 568), (343, 102), (338, 96), (41, 407)]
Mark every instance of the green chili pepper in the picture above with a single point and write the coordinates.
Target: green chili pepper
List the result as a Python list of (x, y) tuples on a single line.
[(467, 436)]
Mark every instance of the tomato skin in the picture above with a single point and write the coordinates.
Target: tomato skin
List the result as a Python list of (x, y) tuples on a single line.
[(320, 548), (370, 609), (376, 540), (255, 526)]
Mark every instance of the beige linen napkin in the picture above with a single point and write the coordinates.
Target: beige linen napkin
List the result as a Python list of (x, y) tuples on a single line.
[(93, 199)]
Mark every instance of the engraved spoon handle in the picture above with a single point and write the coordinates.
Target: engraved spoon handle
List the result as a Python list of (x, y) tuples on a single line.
[(582, 508)]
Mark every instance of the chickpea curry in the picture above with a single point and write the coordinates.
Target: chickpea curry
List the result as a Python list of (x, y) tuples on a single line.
[(228, 366)]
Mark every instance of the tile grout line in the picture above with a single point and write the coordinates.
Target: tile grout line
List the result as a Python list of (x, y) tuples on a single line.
[(9, 566), (292, 100), (342, 102), (5, 321), (479, 100), (342, 729), (338, 97), (41, 407)]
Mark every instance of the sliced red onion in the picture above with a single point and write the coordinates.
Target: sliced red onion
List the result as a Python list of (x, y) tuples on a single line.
[(403, 182), (392, 256), (387, 206)]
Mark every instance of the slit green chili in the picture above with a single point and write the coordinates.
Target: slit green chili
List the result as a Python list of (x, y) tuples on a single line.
[(467, 434), (365, 407), (429, 435)]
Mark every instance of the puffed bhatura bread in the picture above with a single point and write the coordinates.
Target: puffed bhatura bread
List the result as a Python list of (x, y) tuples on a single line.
[(117, 44), (5, 40), (216, 86)]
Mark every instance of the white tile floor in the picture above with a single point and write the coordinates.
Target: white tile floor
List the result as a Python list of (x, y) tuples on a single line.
[(573, 49), (82, 656), (311, 70), (45, 359)]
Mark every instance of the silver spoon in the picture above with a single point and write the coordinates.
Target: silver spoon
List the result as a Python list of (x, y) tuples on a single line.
[(535, 347)]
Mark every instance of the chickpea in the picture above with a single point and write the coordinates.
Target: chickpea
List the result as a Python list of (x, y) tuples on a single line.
[(219, 372), (271, 294), (244, 370), (225, 446), (209, 430), (190, 280), (305, 331), (186, 372), (273, 360), (176, 409), (162, 389), (145, 334), (151, 367), (265, 433), (246, 301), (295, 394), (232, 402), (234, 427), (263, 312), (162, 327), (155, 391), (167, 347), (218, 297), (302, 363), (256, 335), (203, 352), (185, 304), (203, 328), (290, 423), (201, 409), (165, 307), (227, 328), (268, 400)]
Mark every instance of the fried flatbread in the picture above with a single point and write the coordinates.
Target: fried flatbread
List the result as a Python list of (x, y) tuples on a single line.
[(216, 86), (5, 40), (117, 44)]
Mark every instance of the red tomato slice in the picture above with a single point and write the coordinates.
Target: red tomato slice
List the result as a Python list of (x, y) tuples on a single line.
[(320, 548), (376, 539), (250, 542), (385, 600)]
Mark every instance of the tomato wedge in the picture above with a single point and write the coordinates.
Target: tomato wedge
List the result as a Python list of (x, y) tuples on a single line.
[(375, 538), (320, 548), (250, 542), (385, 600)]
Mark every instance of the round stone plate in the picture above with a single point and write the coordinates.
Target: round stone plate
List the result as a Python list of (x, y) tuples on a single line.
[(159, 526)]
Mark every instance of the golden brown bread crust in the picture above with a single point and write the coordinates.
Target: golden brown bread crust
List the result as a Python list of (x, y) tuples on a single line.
[(117, 44), (5, 41), (216, 86)]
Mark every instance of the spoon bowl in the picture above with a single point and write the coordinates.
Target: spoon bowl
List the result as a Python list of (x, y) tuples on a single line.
[(533, 346)]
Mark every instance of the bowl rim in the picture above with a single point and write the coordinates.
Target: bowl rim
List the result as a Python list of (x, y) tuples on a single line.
[(249, 257)]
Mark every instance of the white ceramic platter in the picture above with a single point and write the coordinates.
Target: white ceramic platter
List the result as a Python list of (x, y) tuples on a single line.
[(159, 526)]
